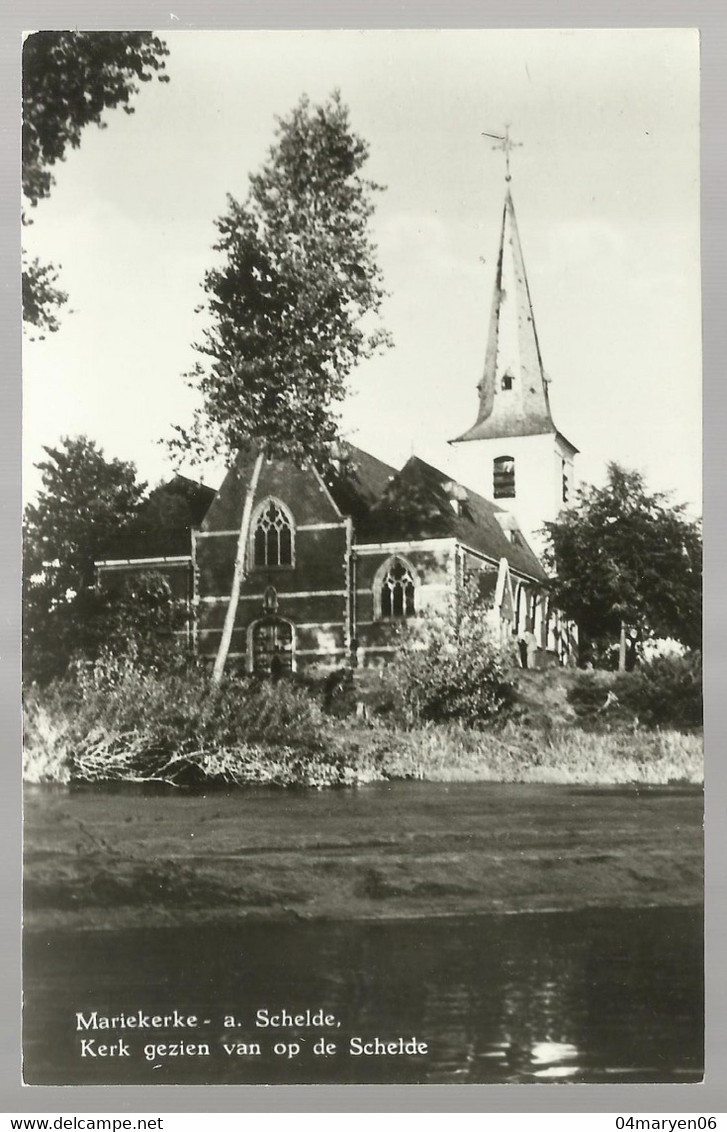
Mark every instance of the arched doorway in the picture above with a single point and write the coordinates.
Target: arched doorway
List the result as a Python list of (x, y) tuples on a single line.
[(271, 647)]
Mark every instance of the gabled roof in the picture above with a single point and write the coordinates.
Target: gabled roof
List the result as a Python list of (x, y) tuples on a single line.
[(386, 505), (165, 520), (196, 495), (357, 482), (417, 503)]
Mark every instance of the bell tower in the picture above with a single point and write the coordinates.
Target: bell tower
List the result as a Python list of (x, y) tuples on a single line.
[(513, 453)]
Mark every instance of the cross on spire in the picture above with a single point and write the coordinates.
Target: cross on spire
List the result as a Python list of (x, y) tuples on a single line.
[(506, 144)]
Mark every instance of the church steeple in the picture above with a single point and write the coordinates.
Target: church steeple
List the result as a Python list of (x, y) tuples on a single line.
[(513, 452), (513, 390)]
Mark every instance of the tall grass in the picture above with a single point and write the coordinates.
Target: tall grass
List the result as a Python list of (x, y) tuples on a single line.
[(567, 755)]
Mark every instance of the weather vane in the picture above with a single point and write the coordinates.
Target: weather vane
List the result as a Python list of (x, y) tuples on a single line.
[(506, 144)]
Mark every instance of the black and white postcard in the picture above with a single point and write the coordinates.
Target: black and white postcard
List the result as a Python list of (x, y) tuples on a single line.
[(362, 557)]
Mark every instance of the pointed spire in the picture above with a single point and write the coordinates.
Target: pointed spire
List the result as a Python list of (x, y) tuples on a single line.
[(513, 390)]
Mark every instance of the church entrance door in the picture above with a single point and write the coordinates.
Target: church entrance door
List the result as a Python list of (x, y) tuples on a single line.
[(272, 647)]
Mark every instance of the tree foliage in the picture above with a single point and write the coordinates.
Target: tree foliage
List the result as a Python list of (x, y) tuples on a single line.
[(69, 79), (294, 300), (41, 298), (292, 306), (621, 554), (84, 505), (89, 508), (84, 501)]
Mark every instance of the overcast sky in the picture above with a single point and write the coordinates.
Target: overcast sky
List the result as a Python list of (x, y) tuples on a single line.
[(606, 190)]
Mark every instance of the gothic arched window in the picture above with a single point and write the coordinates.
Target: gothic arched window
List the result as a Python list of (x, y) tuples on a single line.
[(503, 477), (395, 589), (272, 535)]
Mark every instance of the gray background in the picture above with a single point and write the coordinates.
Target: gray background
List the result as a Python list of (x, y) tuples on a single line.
[(711, 18)]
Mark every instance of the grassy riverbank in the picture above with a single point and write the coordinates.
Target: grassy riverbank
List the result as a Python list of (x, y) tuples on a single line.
[(173, 729), (152, 802), (345, 754)]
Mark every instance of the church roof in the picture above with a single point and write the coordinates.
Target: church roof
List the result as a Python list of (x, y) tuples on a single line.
[(513, 391), (385, 505), (417, 503), (165, 520), (357, 482)]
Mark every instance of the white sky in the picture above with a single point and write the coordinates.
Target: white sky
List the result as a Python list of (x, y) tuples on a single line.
[(606, 189)]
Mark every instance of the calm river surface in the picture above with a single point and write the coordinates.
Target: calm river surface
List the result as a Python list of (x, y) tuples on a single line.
[(597, 996)]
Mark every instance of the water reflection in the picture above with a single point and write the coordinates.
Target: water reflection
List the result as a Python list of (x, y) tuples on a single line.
[(559, 1059), (590, 996)]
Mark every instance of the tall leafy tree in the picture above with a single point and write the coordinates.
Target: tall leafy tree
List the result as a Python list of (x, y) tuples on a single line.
[(69, 79), (293, 303), (626, 558), (85, 504)]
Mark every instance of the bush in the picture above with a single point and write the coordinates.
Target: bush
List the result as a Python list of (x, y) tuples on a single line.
[(114, 714), (592, 698), (130, 726), (450, 668), (663, 692), (144, 622)]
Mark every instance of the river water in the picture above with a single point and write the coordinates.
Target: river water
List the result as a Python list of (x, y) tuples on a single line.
[(589, 996)]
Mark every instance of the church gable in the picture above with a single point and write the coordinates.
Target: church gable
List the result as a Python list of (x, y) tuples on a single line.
[(294, 602), (302, 490)]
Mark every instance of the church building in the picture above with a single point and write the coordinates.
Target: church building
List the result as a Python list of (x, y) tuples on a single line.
[(339, 556)]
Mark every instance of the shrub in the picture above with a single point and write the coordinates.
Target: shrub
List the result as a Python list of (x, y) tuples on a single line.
[(449, 667), (145, 719), (663, 692), (666, 691), (593, 700), (169, 728), (141, 621), (46, 750)]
